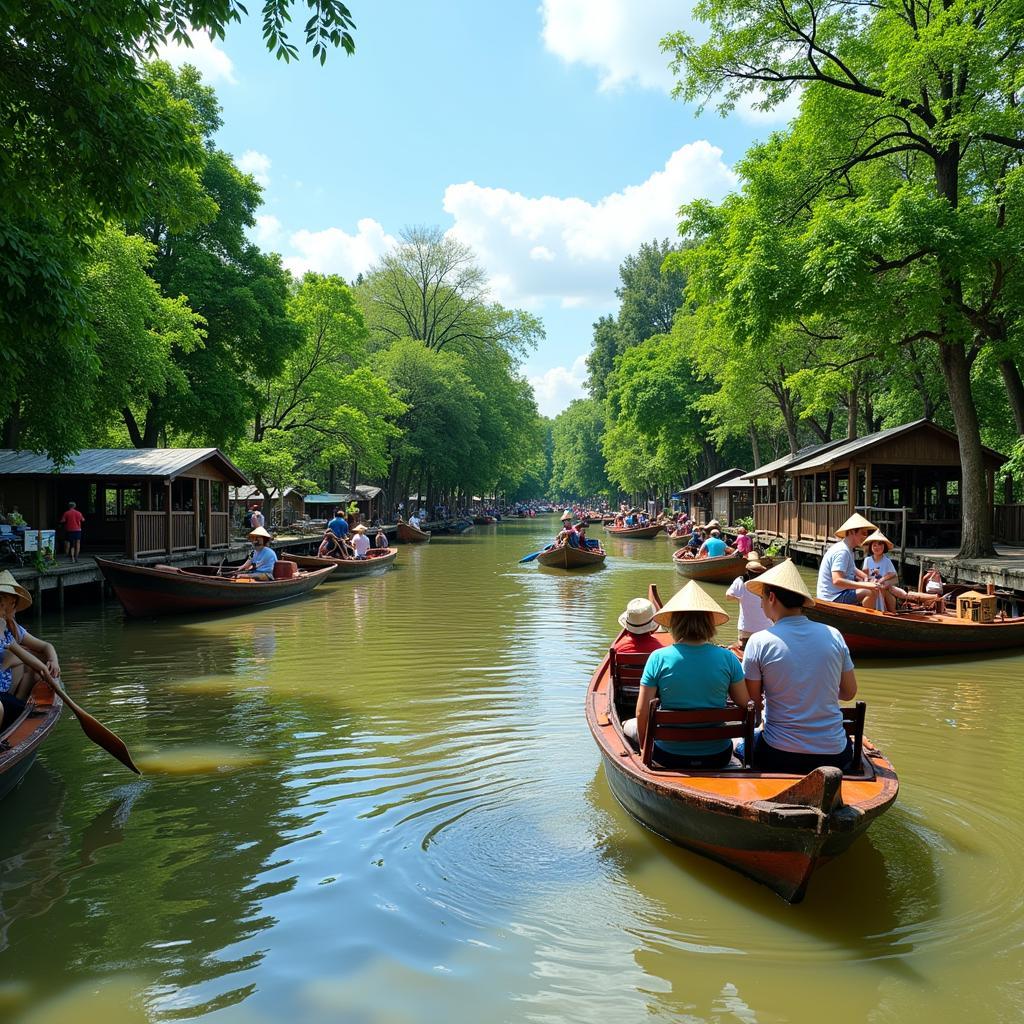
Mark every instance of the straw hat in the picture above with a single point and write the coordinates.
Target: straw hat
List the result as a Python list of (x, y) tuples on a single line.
[(754, 565), (692, 599), (855, 522), (785, 576), (877, 535), (9, 585), (713, 525), (260, 532), (638, 616), (359, 528), (566, 515)]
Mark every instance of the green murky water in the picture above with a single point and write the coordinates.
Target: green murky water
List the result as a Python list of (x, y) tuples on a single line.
[(381, 803)]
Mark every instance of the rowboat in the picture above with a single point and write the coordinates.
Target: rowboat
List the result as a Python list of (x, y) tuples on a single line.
[(915, 634), (145, 590), (568, 557), (410, 535), (375, 560), (21, 739), (635, 532), (722, 569), (775, 828)]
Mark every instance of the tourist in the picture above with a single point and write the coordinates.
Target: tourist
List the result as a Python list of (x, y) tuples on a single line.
[(934, 587), (714, 547), (744, 543), (331, 546), (262, 559), (691, 673), (752, 619), (381, 540), (878, 566), (414, 521), (338, 525), (639, 625), (256, 518), (839, 579), (360, 542), (804, 670), (24, 660), (72, 522)]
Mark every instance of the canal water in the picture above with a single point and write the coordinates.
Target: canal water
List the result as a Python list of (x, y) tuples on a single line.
[(381, 803)]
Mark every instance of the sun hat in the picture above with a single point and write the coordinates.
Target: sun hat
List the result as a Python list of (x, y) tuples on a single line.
[(359, 528), (785, 576), (754, 563), (692, 598), (260, 532), (713, 525), (566, 515), (877, 535), (638, 616), (9, 585), (855, 522)]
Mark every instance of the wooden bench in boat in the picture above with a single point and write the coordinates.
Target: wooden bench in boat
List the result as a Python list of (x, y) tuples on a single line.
[(699, 725), (626, 670)]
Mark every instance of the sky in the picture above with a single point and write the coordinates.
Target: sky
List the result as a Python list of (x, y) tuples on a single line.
[(544, 137)]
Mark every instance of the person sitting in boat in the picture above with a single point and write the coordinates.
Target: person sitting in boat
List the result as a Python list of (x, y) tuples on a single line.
[(639, 625), (804, 670), (331, 546), (584, 541), (620, 521), (24, 660), (360, 542), (714, 547), (934, 587), (693, 672), (744, 543), (260, 563), (752, 619), (878, 566), (414, 521), (381, 540), (839, 579)]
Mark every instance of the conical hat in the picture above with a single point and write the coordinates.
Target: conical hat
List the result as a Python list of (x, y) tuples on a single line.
[(855, 522), (566, 515), (692, 598), (260, 532), (785, 576), (877, 535)]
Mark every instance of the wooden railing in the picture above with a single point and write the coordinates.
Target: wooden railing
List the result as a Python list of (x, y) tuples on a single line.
[(183, 531), (819, 521), (220, 530), (1008, 524), (147, 533), (764, 518)]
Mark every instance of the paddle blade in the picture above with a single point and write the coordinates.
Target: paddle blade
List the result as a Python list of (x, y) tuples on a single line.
[(109, 741), (531, 557)]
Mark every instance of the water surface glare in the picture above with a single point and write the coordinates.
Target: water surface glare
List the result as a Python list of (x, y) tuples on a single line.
[(381, 803)]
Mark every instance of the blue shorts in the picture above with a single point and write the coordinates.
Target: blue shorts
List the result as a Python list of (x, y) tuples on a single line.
[(846, 597), (72, 534)]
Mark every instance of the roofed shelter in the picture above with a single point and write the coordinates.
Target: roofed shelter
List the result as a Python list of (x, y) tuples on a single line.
[(726, 496), (242, 498), (366, 496), (143, 501)]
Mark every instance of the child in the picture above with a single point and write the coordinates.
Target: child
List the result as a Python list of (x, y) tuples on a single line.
[(878, 567)]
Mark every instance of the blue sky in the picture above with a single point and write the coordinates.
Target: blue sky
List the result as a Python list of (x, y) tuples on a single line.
[(542, 136)]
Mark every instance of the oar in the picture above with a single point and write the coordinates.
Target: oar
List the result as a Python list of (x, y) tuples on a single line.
[(530, 558), (96, 731)]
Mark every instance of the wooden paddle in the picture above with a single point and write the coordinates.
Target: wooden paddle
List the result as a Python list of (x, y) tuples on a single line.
[(530, 558), (96, 731)]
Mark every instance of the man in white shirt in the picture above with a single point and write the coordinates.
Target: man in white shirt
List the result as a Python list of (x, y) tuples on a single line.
[(414, 520), (839, 579), (360, 542)]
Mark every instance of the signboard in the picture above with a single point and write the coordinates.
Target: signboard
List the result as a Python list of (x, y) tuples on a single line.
[(32, 539)]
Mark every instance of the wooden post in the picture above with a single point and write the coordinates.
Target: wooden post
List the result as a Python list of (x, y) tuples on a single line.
[(195, 512), (903, 544), (867, 490), (168, 518)]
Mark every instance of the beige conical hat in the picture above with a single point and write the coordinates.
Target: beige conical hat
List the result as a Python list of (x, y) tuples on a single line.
[(855, 522), (785, 576), (692, 598), (877, 535), (260, 532)]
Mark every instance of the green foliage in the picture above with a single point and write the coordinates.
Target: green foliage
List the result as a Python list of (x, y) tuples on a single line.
[(577, 469)]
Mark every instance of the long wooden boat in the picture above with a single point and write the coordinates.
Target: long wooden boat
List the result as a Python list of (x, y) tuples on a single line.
[(21, 739), (410, 535), (484, 520), (568, 557), (145, 590), (722, 569), (375, 560), (775, 828), (635, 532), (915, 634)]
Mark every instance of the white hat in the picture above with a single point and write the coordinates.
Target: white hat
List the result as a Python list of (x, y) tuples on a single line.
[(877, 535), (359, 528), (638, 616), (692, 598), (260, 532), (855, 522), (785, 576)]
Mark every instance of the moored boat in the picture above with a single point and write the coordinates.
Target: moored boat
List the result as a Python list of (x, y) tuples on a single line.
[(484, 520), (723, 569), (568, 557), (774, 828), (915, 634), (410, 535), (21, 739), (635, 532), (145, 590), (376, 559)]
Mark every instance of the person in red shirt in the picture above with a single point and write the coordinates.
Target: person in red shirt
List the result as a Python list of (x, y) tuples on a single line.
[(72, 522), (638, 622)]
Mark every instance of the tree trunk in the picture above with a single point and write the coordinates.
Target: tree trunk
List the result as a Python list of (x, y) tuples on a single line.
[(12, 427), (755, 447), (134, 434), (1015, 391), (332, 479)]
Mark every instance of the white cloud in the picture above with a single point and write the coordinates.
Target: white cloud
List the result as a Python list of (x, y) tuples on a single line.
[(568, 249), (257, 164), (267, 230), (334, 251), (557, 387), (204, 54)]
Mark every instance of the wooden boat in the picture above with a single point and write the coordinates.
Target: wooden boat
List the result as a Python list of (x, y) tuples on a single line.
[(146, 590), (774, 828), (484, 520), (376, 559), (568, 557), (723, 569), (635, 532), (21, 739), (410, 535), (915, 634)]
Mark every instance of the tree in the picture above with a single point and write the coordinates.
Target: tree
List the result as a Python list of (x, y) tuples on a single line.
[(903, 168), (577, 466)]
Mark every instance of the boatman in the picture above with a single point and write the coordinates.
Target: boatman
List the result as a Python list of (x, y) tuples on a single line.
[(839, 579), (339, 524), (262, 559)]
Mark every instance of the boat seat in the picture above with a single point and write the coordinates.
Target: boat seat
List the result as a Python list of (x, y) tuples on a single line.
[(626, 669), (285, 570), (853, 723), (700, 724)]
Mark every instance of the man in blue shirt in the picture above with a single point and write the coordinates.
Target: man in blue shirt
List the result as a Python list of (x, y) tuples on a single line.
[(338, 525), (839, 579), (260, 563), (714, 547)]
